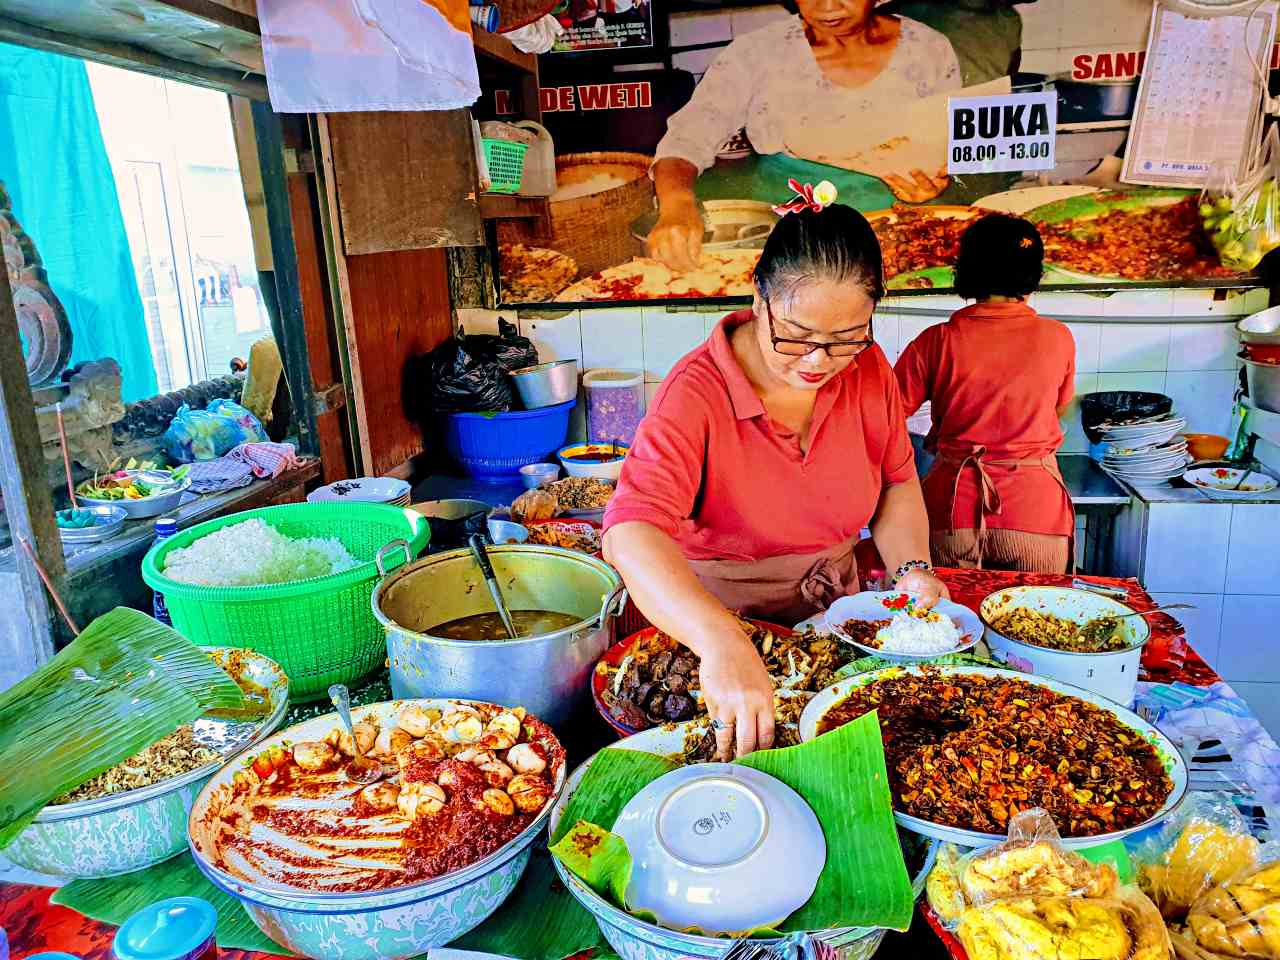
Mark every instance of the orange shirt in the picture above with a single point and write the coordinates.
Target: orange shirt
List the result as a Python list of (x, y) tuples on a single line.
[(995, 374), (712, 469)]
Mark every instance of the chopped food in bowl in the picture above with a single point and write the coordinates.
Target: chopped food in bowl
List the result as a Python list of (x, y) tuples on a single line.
[(1058, 633), (651, 678), (967, 748)]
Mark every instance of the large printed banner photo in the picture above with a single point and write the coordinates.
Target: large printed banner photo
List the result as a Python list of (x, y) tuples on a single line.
[(667, 175)]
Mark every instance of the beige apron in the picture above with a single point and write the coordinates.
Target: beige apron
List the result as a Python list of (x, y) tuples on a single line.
[(975, 458), (782, 590)]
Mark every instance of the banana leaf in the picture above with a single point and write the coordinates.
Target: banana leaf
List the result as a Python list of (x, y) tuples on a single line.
[(124, 683), (841, 775)]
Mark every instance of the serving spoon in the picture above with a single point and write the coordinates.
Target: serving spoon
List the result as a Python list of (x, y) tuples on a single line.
[(361, 769), (1099, 629)]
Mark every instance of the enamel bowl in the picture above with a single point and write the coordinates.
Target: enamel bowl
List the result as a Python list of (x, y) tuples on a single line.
[(700, 839), (385, 924), (135, 829), (634, 938)]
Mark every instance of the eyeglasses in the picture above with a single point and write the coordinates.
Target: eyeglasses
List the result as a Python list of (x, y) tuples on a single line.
[(802, 348)]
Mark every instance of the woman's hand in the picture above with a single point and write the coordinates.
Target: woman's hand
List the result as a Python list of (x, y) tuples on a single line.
[(676, 239), (739, 696), (918, 186), (925, 586)]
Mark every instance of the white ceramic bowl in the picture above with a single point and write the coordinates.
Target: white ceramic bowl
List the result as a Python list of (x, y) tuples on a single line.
[(636, 939), (870, 605), (600, 469), (1113, 674), (701, 839)]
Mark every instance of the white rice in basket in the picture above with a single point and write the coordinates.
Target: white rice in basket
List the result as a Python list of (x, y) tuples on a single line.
[(919, 631), (254, 553)]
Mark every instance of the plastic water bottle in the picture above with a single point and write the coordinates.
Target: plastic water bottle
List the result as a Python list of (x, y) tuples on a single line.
[(166, 527)]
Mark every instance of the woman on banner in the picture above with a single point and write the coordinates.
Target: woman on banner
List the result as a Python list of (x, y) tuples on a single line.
[(997, 376), (831, 66), (766, 452)]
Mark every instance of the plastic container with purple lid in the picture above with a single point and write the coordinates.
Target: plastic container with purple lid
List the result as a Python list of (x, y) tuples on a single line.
[(615, 404)]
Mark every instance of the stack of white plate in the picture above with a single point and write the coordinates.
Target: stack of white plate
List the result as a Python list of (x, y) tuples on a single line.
[(1146, 453), (363, 490)]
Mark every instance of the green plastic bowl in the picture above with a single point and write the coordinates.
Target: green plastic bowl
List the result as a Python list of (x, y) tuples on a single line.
[(321, 630)]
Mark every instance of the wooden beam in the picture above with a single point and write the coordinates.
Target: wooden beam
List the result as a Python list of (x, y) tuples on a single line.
[(284, 255), (28, 505), (132, 57), (499, 49), (218, 13)]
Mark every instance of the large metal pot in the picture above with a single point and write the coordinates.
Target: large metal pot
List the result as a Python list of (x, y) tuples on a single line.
[(1264, 385), (548, 674)]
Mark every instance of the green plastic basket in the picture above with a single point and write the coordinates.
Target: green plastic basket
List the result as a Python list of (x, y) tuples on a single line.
[(322, 630), (505, 159)]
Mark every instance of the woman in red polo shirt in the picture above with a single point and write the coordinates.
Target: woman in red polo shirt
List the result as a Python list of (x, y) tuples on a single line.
[(997, 375), (766, 452)]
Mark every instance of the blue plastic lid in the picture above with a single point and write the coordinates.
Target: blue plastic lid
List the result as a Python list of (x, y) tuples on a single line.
[(166, 526), (166, 929)]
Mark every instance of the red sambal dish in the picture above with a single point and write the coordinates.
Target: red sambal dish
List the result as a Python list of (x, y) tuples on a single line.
[(970, 751), (454, 787)]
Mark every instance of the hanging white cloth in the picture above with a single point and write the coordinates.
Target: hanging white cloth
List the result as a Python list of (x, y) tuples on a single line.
[(333, 56)]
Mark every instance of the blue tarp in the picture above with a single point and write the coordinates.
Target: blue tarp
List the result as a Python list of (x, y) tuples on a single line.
[(54, 165)]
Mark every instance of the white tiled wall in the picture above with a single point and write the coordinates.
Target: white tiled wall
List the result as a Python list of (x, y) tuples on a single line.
[(1225, 559), (1194, 362)]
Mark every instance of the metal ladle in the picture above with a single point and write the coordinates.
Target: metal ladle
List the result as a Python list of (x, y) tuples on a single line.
[(361, 769), (486, 569)]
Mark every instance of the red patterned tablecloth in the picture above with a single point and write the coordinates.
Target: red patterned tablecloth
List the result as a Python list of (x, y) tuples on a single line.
[(34, 925)]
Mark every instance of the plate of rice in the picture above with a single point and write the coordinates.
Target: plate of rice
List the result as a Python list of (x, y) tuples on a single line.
[(892, 625)]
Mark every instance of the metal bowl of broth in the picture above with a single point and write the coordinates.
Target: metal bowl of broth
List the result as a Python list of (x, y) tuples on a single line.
[(444, 638)]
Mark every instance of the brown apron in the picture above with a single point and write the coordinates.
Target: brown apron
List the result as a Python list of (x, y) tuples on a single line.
[(976, 458), (782, 590)]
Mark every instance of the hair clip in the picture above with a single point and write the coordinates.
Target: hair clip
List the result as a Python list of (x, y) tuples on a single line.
[(807, 197), (1026, 243)]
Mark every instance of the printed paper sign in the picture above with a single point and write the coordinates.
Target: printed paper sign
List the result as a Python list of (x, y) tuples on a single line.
[(1008, 133)]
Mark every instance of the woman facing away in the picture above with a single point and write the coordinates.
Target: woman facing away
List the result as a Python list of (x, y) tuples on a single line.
[(997, 376)]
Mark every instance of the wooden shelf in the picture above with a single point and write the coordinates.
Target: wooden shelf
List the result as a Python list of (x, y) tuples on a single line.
[(499, 49), (505, 206)]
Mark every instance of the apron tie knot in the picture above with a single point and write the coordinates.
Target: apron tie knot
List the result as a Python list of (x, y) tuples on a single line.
[(822, 584)]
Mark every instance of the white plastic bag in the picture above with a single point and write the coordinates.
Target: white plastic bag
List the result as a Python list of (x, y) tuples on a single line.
[(334, 56)]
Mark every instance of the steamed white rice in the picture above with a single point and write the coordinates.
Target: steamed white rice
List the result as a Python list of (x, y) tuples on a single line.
[(920, 631), (254, 553)]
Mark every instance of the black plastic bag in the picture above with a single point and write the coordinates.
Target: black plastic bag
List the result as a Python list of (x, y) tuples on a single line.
[(449, 534), (468, 374)]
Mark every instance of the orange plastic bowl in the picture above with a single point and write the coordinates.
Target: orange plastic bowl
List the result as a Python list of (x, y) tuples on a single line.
[(1206, 446)]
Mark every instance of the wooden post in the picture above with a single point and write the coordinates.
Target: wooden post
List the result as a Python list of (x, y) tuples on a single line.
[(28, 504), (297, 361)]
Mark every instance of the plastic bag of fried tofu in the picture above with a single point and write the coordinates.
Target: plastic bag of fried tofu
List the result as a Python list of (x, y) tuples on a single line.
[(1029, 898), (1239, 918), (1206, 844)]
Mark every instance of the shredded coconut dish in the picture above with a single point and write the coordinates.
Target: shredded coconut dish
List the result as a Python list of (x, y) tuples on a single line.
[(254, 553), (918, 631), (171, 756)]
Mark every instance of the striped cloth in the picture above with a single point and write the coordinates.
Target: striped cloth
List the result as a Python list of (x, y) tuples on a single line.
[(266, 459), (222, 473)]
